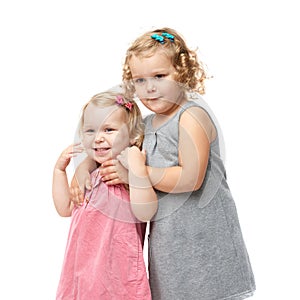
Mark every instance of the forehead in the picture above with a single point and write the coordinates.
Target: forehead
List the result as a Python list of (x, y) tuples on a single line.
[(146, 65), (97, 115)]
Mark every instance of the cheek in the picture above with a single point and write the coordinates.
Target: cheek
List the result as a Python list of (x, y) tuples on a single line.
[(168, 86), (140, 91), (87, 141), (173, 92), (122, 140)]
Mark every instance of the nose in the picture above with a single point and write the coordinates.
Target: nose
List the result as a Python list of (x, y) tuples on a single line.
[(99, 138), (150, 85)]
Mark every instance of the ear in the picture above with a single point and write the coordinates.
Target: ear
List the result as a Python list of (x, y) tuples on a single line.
[(133, 141)]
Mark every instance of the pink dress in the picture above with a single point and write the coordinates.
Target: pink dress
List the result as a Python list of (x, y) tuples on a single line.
[(104, 253)]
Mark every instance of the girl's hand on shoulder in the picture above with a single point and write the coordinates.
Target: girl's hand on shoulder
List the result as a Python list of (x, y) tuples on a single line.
[(113, 172), (136, 157), (133, 159), (66, 156), (132, 156)]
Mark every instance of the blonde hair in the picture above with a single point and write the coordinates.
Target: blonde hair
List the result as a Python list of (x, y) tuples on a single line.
[(134, 116), (190, 72)]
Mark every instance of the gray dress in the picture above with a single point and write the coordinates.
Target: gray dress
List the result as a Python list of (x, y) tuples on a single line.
[(196, 248)]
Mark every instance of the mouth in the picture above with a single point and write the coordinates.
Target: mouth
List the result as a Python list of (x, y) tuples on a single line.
[(101, 151), (152, 99)]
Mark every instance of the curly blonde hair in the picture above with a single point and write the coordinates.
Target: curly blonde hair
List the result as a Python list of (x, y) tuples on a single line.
[(134, 116), (190, 72)]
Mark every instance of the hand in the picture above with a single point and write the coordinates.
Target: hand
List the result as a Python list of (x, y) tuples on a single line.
[(81, 181), (65, 157), (136, 157), (113, 172), (76, 192), (133, 159)]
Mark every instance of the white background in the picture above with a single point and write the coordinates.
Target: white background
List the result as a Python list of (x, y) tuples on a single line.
[(55, 55)]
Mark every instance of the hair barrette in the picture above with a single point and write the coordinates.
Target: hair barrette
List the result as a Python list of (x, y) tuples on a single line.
[(158, 38), (120, 101), (168, 36)]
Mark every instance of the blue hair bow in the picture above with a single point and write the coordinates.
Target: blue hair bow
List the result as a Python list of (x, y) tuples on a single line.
[(168, 36), (160, 38)]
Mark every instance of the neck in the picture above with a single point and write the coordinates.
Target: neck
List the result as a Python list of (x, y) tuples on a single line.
[(160, 119)]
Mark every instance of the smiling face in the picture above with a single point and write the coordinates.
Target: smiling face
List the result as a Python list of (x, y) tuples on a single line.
[(153, 79), (105, 132)]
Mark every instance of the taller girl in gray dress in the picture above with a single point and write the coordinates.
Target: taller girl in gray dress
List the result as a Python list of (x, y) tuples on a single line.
[(196, 248)]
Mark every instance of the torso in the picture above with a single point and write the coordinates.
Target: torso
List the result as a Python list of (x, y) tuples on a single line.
[(104, 255), (196, 246)]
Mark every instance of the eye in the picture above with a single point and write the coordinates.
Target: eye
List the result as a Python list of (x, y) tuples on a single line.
[(159, 76), (89, 131), (139, 81), (108, 129)]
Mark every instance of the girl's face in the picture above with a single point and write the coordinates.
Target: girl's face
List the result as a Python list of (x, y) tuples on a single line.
[(105, 132), (154, 83)]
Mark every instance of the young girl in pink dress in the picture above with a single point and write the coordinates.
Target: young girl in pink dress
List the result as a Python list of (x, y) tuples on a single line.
[(104, 252)]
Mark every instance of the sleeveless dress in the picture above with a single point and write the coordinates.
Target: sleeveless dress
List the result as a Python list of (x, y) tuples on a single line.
[(104, 253), (196, 248)]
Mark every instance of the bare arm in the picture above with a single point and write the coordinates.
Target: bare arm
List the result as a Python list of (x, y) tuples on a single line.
[(196, 132), (60, 186), (143, 198)]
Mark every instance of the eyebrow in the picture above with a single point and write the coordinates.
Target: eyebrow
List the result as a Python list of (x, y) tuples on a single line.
[(153, 72)]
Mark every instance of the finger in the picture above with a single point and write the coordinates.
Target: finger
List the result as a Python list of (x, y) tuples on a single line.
[(81, 186), (113, 181), (107, 170), (108, 163), (78, 196), (109, 177), (88, 184), (76, 144), (74, 195), (77, 148)]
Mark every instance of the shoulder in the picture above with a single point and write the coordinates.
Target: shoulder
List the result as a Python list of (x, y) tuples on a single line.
[(197, 116)]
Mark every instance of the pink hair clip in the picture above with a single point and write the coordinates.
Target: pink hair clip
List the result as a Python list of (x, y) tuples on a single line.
[(128, 105), (120, 101)]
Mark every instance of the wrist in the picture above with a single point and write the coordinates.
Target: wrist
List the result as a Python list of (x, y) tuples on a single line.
[(138, 178), (59, 171)]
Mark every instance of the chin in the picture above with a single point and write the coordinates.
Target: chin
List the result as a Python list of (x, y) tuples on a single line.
[(153, 105), (100, 160)]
